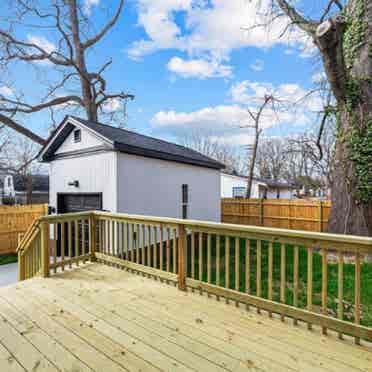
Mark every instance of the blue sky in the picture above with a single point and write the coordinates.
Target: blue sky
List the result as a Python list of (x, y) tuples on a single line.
[(192, 67)]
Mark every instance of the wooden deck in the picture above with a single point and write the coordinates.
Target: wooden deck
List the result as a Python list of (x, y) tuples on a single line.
[(100, 318)]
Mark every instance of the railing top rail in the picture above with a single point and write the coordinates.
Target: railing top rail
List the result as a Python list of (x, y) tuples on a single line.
[(272, 233), (23, 243)]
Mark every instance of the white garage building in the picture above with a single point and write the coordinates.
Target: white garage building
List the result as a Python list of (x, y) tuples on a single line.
[(96, 166)]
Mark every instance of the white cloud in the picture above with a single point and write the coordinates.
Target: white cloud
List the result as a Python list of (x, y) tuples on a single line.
[(198, 68), (6, 91), (208, 29), (41, 42), (252, 93), (220, 122), (225, 122), (88, 5), (113, 105), (257, 65)]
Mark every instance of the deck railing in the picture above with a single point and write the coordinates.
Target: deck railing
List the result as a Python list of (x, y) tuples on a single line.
[(314, 278)]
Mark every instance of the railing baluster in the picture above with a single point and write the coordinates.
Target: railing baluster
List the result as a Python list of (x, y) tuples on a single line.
[(218, 255), (84, 252), (144, 255), (161, 247), (258, 271), (62, 245), (309, 282), (138, 243), (340, 306), (149, 245), (295, 278), (108, 236), (77, 241), (237, 266), (69, 240), (200, 249), (125, 241), (155, 247), (247, 266), (324, 286), (175, 251), (227, 264), (270, 274), (357, 293), (192, 254), (209, 258), (55, 226), (282, 275), (168, 250)]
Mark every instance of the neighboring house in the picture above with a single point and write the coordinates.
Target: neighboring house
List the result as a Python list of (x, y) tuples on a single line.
[(32, 189), (96, 166), (235, 186), (18, 189), (6, 186)]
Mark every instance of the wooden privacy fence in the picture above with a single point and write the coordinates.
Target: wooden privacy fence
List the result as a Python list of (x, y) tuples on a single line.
[(15, 220), (293, 274), (279, 213)]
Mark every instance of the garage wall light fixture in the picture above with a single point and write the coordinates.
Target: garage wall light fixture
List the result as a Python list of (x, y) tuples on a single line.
[(74, 183)]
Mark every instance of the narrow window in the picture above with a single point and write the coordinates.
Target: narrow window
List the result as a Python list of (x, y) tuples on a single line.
[(185, 200), (77, 135), (185, 194)]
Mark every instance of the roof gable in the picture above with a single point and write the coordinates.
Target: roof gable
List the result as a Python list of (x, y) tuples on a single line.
[(128, 142), (88, 140)]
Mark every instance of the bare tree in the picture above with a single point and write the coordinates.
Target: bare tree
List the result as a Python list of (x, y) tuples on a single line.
[(210, 145), (65, 22), (271, 158), (256, 117), (342, 33)]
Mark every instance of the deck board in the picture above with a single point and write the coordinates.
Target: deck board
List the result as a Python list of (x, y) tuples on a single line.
[(99, 318)]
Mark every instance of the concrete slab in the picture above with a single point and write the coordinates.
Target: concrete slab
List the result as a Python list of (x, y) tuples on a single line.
[(8, 274)]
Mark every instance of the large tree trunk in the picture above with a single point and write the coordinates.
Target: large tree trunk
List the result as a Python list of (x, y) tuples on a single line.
[(86, 87), (348, 215), (345, 45)]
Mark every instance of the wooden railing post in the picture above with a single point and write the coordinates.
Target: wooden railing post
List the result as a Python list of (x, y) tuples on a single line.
[(45, 254), (181, 258), (92, 237), (21, 267)]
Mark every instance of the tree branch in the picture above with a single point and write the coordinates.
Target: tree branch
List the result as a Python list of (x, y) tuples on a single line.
[(21, 129), (105, 29), (309, 26)]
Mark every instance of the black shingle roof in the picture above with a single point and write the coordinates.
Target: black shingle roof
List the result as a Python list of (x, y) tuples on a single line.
[(138, 144)]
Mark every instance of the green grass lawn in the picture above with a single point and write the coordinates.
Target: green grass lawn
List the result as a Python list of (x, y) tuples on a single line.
[(7, 259), (349, 276)]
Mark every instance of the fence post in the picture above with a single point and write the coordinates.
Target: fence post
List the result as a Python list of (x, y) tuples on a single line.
[(45, 254), (92, 237), (262, 212), (320, 216), (181, 258)]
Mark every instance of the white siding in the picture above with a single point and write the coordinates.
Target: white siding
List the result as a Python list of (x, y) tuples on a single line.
[(95, 173), (229, 181), (88, 140), (154, 187)]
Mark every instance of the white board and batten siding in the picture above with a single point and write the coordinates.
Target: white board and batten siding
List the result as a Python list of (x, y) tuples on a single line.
[(134, 184), (154, 187), (95, 173)]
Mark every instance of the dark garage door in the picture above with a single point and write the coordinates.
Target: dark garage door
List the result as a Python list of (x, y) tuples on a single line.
[(68, 203), (78, 202)]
